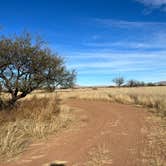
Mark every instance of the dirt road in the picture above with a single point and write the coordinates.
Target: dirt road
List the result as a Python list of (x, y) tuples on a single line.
[(108, 134)]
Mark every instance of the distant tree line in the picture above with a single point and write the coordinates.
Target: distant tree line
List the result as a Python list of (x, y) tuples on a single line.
[(135, 83), (120, 82)]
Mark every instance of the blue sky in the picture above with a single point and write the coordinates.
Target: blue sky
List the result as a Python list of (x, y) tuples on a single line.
[(101, 39)]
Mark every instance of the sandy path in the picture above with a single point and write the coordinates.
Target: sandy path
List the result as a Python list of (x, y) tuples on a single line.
[(116, 127)]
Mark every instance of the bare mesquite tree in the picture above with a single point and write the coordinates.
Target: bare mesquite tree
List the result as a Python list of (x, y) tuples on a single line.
[(27, 64), (118, 81)]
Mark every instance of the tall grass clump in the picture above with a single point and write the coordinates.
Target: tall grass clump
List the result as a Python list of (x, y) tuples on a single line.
[(155, 100), (32, 118)]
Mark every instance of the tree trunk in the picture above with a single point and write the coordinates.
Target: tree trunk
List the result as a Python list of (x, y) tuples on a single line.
[(16, 97)]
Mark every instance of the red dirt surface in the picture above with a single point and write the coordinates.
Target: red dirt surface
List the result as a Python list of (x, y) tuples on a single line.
[(118, 127)]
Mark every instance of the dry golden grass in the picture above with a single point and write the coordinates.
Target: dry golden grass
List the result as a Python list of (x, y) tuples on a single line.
[(155, 151), (151, 97), (33, 118)]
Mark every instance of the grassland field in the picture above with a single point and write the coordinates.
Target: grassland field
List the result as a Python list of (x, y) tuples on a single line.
[(42, 113)]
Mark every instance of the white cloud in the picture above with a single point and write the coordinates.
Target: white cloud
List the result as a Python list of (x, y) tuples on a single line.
[(124, 44), (108, 63), (101, 64), (153, 3), (129, 45), (117, 61), (111, 55), (113, 70), (128, 24), (155, 40)]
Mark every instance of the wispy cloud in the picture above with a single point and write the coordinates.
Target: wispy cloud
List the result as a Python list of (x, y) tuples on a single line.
[(116, 55), (128, 45), (153, 40), (125, 44), (153, 3), (135, 49), (101, 64), (107, 63), (106, 71), (128, 24)]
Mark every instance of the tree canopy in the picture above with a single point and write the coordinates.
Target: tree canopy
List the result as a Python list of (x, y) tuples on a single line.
[(27, 64)]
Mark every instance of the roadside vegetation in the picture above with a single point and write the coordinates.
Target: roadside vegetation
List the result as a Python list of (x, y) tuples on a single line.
[(153, 98), (155, 149), (31, 119), (27, 64)]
